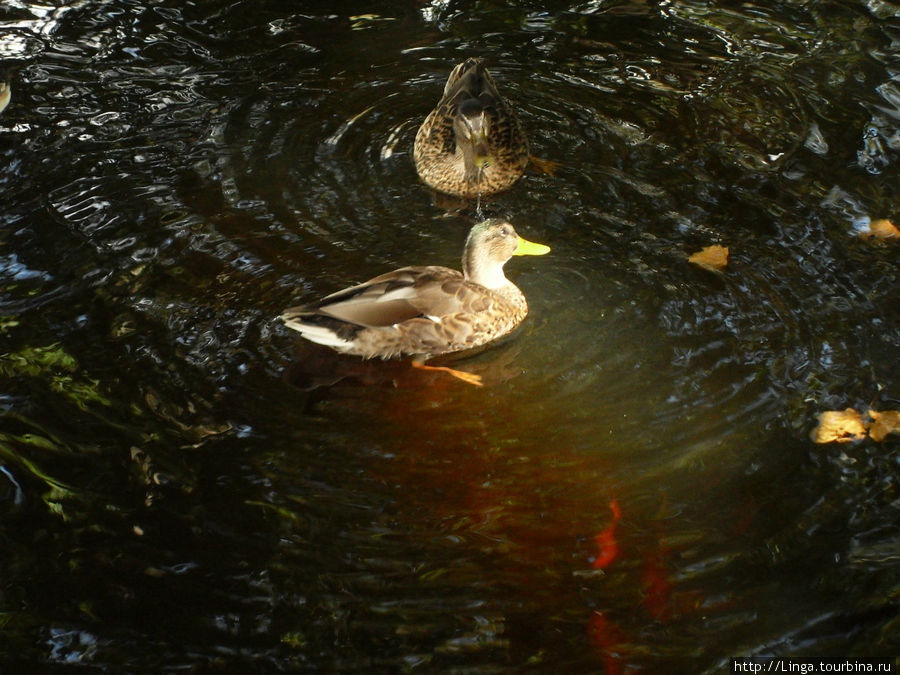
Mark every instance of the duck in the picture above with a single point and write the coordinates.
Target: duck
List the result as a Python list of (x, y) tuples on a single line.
[(426, 311), (472, 143)]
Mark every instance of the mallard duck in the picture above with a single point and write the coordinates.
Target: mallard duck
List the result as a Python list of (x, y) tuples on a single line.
[(425, 311), (471, 144)]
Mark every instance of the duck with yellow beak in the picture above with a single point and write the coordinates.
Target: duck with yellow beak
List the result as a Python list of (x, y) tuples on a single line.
[(471, 144), (426, 311)]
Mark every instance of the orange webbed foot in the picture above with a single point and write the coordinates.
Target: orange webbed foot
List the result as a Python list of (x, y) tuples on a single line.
[(459, 374)]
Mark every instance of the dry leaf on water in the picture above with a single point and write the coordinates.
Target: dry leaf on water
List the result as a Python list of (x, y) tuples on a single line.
[(841, 426), (881, 230), (885, 422), (844, 426), (713, 257)]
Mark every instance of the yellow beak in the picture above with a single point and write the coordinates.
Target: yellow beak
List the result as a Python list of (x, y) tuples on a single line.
[(526, 247)]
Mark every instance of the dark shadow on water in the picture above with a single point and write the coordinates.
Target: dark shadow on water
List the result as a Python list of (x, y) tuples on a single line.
[(321, 372)]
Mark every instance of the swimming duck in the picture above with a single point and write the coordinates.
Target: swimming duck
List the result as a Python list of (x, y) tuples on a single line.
[(471, 144), (425, 311)]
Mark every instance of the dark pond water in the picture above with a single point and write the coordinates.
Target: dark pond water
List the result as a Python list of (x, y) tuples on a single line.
[(173, 494)]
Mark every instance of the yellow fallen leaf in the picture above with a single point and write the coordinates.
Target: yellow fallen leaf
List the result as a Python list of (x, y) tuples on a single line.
[(881, 229), (885, 422), (713, 257), (839, 426)]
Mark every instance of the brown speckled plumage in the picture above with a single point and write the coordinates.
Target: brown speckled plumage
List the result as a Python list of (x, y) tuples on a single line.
[(442, 151), (425, 311)]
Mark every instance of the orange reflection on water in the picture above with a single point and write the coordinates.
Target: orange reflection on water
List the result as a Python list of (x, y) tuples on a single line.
[(607, 547)]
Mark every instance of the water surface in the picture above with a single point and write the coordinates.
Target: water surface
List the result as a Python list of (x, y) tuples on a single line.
[(175, 496)]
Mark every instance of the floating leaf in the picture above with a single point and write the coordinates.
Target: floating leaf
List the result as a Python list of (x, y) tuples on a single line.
[(839, 426), (713, 257), (885, 422), (881, 230), (843, 426)]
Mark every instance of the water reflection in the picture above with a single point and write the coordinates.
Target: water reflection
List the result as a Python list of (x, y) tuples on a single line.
[(176, 175)]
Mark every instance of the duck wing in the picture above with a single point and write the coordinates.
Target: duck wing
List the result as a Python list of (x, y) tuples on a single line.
[(398, 296)]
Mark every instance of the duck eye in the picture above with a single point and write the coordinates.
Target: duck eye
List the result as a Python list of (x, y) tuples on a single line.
[(504, 231)]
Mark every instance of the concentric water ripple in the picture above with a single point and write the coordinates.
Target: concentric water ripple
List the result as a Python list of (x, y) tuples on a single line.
[(174, 175)]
